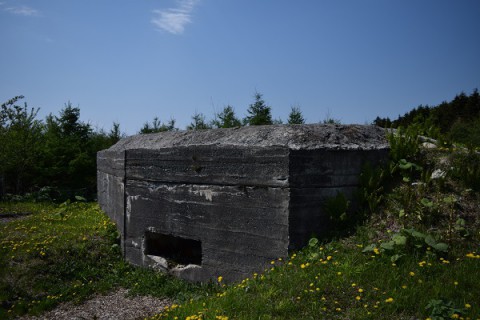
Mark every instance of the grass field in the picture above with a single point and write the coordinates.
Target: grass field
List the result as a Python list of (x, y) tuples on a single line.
[(415, 256)]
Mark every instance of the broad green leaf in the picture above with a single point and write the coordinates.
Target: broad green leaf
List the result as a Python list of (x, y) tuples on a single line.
[(399, 240), (430, 241), (441, 247), (460, 222), (404, 164), (313, 242), (80, 198), (426, 202), (369, 248), (414, 233), (387, 245)]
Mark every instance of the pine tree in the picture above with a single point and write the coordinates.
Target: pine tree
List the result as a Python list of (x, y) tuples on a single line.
[(226, 119), (158, 126), (258, 112), (295, 116), (198, 123)]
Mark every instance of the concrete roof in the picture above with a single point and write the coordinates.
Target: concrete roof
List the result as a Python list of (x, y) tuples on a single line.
[(295, 137)]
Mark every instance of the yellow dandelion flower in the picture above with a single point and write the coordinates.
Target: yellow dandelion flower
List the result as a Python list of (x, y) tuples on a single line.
[(468, 306), (220, 278), (358, 298), (389, 300), (412, 274)]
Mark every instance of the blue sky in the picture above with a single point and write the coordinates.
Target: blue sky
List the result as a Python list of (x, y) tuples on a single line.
[(131, 60)]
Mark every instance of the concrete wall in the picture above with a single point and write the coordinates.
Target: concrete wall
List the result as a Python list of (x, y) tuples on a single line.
[(315, 177), (111, 187), (228, 201)]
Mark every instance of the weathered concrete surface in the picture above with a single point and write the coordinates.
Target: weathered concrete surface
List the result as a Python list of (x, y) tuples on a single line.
[(227, 201)]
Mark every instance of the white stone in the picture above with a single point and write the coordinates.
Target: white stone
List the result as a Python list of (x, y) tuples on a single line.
[(438, 174)]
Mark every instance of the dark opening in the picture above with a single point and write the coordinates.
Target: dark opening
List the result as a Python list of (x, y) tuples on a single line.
[(177, 250)]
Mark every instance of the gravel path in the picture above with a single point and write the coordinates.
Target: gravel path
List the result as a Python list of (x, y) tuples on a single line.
[(115, 305)]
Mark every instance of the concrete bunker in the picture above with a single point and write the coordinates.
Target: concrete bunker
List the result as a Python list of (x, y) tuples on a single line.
[(200, 204)]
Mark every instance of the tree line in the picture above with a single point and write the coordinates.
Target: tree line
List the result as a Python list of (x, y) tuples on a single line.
[(456, 121), (258, 113), (55, 158)]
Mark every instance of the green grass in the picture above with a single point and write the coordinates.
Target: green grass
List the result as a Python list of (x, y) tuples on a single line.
[(338, 281), (67, 253)]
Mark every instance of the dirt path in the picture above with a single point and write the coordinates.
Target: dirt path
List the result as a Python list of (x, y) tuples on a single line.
[(7, 217), (115, 305)]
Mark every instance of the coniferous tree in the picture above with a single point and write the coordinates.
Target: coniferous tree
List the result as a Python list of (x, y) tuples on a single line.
[(69, 155), (296, 116), (115, 134), (199, 122), (226, 119), (58, 153), (158, 126), (258, 112)]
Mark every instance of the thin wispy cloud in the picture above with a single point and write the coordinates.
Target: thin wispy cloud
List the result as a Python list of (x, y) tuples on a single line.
[(174, 20), (20, 10)]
